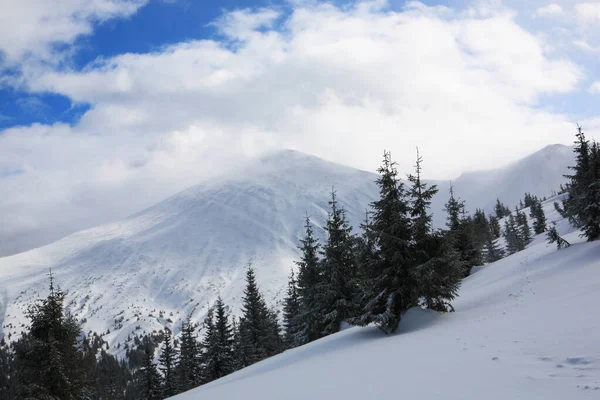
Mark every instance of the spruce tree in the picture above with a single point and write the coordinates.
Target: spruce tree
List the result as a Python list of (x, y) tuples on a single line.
[(48, 360), (539, 217), (590, 220), (338, 288), (462, 234), (420, 195), (188, 368), (494, 224), (454, 208), (523, 230), (150, 383), (438, 269), (554, 237), (309, 279), (574, 205), (501, 210), (167, 361), (291, 311), (218, 343), (493, 251), (393, 288), (259, 331), (511, 235)]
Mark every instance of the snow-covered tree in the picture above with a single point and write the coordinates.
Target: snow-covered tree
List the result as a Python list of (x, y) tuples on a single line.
[(338, 287)]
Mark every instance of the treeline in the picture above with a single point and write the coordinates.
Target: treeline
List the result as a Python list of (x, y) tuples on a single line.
[(397, 261), (582, 205)]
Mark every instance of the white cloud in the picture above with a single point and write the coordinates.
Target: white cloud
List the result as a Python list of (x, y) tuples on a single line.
[(551, 10), (588, 13), (586, 46), (341, 83), (32, 29), (595, 88)]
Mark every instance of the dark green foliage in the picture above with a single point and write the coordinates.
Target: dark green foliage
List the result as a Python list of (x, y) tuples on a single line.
[(392, 288), (501, 210), (259, 331), (454, 208), (494, 224), (582, 206), (406, 263), (188, 369), (309, 326), (438, 268), (217, 343), (48, 363), (7, 387), (420, 202), (524, 230), (463, 233), (291, 310), (338, 287), (481, 228), (529, 200), (511, 235), (168, 361), (149, 380), (539, 217), (554, 237), (492, 250), (440, 275)]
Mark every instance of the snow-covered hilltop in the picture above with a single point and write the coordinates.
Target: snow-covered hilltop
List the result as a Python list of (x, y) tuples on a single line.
[(524, 328), (171, 260)]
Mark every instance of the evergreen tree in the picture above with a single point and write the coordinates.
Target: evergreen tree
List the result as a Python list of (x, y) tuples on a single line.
[(150, 380), (438, 269), (511, 235), (338, 288), (501, 210), (481, 228), (259, 332), (454, 208), (291, 310), (582, 206), (393, 288), (539, 217), (217, 343), (48, 360), (239, 355), (309, 279), (554, 237), (523, 230), (440, 275), (494, 224), (420, 202), (188, 368), (168, 360), (493, 251), (462, 233)]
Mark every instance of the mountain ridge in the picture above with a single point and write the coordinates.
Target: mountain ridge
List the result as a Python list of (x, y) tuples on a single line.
[(173, 259)]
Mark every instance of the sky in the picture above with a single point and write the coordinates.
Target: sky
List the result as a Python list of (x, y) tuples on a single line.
[(108, 106)]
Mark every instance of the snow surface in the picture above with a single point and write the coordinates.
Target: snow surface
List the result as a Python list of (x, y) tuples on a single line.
[(172, 260), (525, 327)]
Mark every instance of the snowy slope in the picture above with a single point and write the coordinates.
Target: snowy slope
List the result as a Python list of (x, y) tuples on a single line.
[(171, 260), (524, 328)]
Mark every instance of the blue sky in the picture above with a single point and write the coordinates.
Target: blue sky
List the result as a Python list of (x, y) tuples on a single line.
[(100, 99)]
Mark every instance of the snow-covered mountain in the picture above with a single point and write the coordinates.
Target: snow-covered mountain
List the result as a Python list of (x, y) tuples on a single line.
[(539, 173), (524, 328), (171, 260)]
